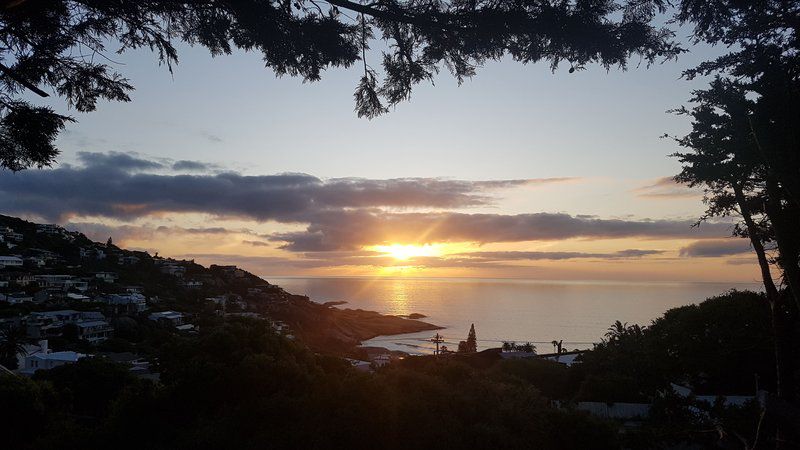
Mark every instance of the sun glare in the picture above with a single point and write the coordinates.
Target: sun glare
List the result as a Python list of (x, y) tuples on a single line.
[(402, 252)]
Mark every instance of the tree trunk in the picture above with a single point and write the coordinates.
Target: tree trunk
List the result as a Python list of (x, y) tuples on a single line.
[(787, 243), (785, 238), (773, 298)]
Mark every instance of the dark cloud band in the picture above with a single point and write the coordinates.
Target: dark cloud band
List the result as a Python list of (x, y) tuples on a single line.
[(716, 247), (350, 230), (342, 214), (123, 186)]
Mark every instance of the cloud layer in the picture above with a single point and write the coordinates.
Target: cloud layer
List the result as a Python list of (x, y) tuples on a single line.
[(333, 220), (123, 186), (716, 247), (349, 230), (666, 188)]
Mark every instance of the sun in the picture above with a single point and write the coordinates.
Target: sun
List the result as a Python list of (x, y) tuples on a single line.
[(404, 252)]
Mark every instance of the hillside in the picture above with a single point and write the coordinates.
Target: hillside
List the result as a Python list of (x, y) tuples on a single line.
[(66, 270)]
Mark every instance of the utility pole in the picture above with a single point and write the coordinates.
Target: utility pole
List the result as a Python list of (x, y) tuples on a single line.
[(438, 339)]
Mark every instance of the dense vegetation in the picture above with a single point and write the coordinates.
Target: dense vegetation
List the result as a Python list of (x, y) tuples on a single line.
[(239, 385)]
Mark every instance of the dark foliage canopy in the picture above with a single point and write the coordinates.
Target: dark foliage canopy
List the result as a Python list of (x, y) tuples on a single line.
[(62, 47), (744, 147)]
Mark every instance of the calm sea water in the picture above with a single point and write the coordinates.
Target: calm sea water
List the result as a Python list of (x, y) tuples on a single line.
[(506, 310)]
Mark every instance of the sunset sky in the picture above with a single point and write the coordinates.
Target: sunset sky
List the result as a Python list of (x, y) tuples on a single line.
[(519, 172)]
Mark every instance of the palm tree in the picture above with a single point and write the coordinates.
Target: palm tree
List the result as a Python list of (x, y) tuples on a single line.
[(617, 330), (11, 343), (529, 348)]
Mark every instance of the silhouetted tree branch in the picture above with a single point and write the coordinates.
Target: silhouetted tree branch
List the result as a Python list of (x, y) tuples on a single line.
[(61, 46)]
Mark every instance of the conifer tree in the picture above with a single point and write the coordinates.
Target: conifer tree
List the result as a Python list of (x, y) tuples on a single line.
[(472, 341)]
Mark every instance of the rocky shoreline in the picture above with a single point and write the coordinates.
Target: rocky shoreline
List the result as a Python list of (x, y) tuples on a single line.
[(341, 330)]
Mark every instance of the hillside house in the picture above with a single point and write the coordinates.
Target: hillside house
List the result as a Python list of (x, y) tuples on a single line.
[(78, 298), (94, 331), (10, 235), (55, 281), (49, 324), (44, 359), (61, 282), (174, 270), (128, 260), (172, 318), (191, 284), (229, 271), (10, 262), (17, 279), (108, 277), (48, 228), (16, 298), (566, 358), (92, 253), (132, 303)]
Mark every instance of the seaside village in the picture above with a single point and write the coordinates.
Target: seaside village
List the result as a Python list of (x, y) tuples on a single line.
[(65, 298), (68, 298)]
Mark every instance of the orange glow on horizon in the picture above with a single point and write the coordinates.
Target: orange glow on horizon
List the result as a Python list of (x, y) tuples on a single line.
[(404, 252)]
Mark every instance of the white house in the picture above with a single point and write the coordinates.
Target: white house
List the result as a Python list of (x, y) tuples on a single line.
[(44, 359), (126, 303), (10, 261), (78, 297), (219, 300), (95, 253)]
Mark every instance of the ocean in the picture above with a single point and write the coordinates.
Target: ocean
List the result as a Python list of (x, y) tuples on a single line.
[(577, 312)]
